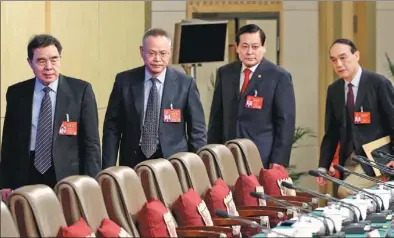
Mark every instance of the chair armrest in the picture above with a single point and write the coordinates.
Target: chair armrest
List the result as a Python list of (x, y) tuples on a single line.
[(198, 233), (294, 203), (254, 213), (226, 222), (302, 194), (294, 198), (270, 208), (207, 228)]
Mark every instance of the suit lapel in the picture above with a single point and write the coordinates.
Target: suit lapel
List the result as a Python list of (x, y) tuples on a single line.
[(235, 79), (137, 91), (362, 88), (63, 99), (26, 109), (170, 86)]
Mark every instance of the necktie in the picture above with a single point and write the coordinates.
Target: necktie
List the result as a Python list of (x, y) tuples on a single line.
[(43, 151), (246, 80), (350, 110), (151, 125), (350, 100)]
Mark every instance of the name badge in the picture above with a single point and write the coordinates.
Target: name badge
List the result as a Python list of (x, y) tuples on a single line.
[(362, 117), (68, 128), (172, 115), (254, 102)]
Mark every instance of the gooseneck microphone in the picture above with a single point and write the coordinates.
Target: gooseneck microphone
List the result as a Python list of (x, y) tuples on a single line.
[(317, 173), (287, 204), (385, 154), (253, 224), (364, 160), (350, 206), (382, 154), (345, 170)]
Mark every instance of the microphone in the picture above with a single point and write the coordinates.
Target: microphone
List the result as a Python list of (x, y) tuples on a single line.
[(328, 198), (385, 153), (363, 160), (345, 170), (253, 224), (317, 173), (287, 204)]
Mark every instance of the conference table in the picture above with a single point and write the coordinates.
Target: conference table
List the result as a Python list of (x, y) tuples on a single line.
[(383, 228)]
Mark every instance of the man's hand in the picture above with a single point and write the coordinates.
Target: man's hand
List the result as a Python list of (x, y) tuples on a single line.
[(321, 181), (331, 171), (390, 164), (273, 165)]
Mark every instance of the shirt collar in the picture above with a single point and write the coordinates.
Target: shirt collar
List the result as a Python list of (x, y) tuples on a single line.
[(356, 80), (251, 69), (160, 78), (39, 86)]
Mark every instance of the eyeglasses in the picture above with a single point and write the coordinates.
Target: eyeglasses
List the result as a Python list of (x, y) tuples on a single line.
[(153, 54)]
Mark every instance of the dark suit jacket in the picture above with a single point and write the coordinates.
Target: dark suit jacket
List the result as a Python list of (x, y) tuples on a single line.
[(375, 94), (272, 127), (123, 119), (71, 155)]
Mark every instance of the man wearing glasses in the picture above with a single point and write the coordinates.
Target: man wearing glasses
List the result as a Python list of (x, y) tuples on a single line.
[(254, 99), (50, 125), (154, 111)]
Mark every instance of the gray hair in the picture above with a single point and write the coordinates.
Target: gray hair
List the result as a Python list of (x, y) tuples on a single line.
[(156, 32)]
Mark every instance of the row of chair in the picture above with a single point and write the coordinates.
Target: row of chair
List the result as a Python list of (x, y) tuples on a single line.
[(119, 193)]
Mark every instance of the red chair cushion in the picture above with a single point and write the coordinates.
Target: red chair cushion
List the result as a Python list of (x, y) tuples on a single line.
[(271, 180), (154, 220), (78, 229), (244, 185), (220, 197), (191, 210), (109, 229)]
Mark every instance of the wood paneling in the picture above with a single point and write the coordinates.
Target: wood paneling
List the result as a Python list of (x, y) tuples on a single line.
[(19, 22)]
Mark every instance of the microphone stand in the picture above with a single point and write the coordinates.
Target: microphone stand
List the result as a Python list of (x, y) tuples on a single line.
[(253, 224), (286, 204), (363, 160), (349, 186), (328, 198), (345, 170), (374, 217)]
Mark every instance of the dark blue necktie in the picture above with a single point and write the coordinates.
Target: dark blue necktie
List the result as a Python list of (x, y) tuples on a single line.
[(151, 125), (43, 151)]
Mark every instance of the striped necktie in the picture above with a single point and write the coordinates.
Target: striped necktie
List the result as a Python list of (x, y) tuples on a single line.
[(43, 151)]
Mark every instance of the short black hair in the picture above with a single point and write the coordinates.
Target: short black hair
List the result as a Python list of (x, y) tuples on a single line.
[(348, 42), (42, 40), (250, 28)]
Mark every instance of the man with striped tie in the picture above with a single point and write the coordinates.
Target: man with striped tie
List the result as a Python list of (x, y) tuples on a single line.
[(51, 123)]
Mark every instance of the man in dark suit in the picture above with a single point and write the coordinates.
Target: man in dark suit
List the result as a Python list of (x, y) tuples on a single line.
[(359, 109), (34, 149), (154, 111), (254, 99)]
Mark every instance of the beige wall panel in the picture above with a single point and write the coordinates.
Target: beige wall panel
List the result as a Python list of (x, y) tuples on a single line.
[(384, 37), (75, 24), (19, 22), (120, 32), (300, 58)]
